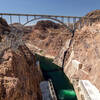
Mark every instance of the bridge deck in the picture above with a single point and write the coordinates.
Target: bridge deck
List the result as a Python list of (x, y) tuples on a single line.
[(12, 14)]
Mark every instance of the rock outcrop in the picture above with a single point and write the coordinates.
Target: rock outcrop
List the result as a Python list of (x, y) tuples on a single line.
[(94, 14), (19, 75), (49, 36), (44, 25), (4, 27)]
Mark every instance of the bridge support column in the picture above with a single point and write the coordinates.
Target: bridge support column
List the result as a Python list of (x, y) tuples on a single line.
[(10, 19), (74, 21), (19, 19), (27, 18)]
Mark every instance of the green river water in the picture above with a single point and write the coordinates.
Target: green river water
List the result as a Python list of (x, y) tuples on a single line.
[(63, 88)]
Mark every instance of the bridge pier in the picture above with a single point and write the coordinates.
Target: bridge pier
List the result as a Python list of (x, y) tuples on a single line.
[(10, 19)]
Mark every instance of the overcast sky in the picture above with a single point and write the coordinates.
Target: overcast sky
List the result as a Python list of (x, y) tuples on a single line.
[(52, 7)]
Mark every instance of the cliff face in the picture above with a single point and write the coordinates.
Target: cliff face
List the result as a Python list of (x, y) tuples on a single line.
[(19, 75), (48, 36), (86, 50)]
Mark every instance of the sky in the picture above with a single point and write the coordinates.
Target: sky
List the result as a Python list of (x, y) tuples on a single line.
[(51, 7)]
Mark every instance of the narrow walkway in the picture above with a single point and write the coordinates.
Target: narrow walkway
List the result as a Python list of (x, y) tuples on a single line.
[(63, 88)]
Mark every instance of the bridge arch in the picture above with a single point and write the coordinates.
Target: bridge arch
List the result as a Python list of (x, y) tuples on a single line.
[(55, 19)]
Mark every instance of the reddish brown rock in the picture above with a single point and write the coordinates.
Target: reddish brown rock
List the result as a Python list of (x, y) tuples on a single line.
[(19, 75)]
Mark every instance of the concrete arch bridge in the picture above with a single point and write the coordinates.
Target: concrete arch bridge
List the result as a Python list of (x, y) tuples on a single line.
[(70, 22)]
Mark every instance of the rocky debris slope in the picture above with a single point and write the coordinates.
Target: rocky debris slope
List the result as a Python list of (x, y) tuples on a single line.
[(19, 75), (49, 36)]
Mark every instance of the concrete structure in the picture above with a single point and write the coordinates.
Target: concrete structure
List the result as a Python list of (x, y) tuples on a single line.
[(88, 90), (76, 64), (47, 90)]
